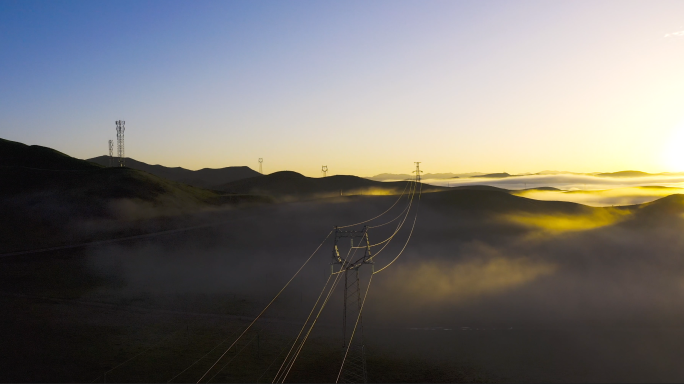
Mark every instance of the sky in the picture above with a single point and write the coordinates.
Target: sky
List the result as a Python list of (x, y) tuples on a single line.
[(362, 87)]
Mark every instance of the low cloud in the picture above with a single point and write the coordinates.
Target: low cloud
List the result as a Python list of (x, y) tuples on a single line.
[(679, 34)]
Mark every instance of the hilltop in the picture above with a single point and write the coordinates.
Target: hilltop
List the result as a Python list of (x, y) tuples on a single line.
[(293, 185), (204, 178), (45, 192), (625, 174), (15, 154), (495, 175)]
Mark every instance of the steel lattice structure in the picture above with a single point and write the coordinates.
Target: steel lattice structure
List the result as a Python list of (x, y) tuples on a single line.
[(355, 366), (120, 128)]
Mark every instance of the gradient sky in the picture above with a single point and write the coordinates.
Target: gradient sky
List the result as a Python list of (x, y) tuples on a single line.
[(363, 87)]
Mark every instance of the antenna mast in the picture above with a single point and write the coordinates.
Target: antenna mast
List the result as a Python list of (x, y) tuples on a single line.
[(111, 152), (120, 128)]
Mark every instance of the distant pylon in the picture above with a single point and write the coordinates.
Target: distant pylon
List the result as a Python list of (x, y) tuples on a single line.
[(120, 128), (417, 171), (324, 169), (260, 162), (111, 152)]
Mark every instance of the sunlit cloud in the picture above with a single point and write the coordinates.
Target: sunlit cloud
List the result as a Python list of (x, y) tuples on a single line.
[(566, 182), (443, 282), (569, 223), (604, 198)]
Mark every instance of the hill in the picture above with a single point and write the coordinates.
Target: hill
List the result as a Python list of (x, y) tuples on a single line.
[(426, 176), (625, 174), (204, 178), (46, 194), (494, 175), (295, 186), (15, 154), (500, 202)]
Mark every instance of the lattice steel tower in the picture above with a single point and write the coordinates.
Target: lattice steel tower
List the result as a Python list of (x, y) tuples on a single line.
[(324, 169), (417, 171), (354, 369), (120, 128), (261, 162), (111, 151)]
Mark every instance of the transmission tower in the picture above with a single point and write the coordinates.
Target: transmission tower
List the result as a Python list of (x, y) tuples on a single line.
[(261, 162), (417, 171), (354, 369), (120, 128), (111, 151), (324, 169)]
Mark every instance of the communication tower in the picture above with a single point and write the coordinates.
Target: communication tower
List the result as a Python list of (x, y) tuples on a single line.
[(111, 152), (120, 128), (261, 162), (324, 169)]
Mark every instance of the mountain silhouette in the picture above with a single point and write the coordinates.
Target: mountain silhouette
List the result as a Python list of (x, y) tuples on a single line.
[(203, 178), (293, 185)]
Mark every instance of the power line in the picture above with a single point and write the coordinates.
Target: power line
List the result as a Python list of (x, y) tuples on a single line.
[(400, 224), (236, 355), (304, 326), (388, 209), (139, 354), (354, 331), (409, 237), (325, 302), (201, 358), (277, 357), (267, 306)]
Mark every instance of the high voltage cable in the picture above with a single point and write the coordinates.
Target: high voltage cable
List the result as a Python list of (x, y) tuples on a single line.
[(289, 364), (274, 360), (409, 237), (267, 306), (388, 209), (234, 357), (139, 354), (205, 355), (382, 225), (271, 302), (306, 337), (400, 225), (351, 338), (294, 342)]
